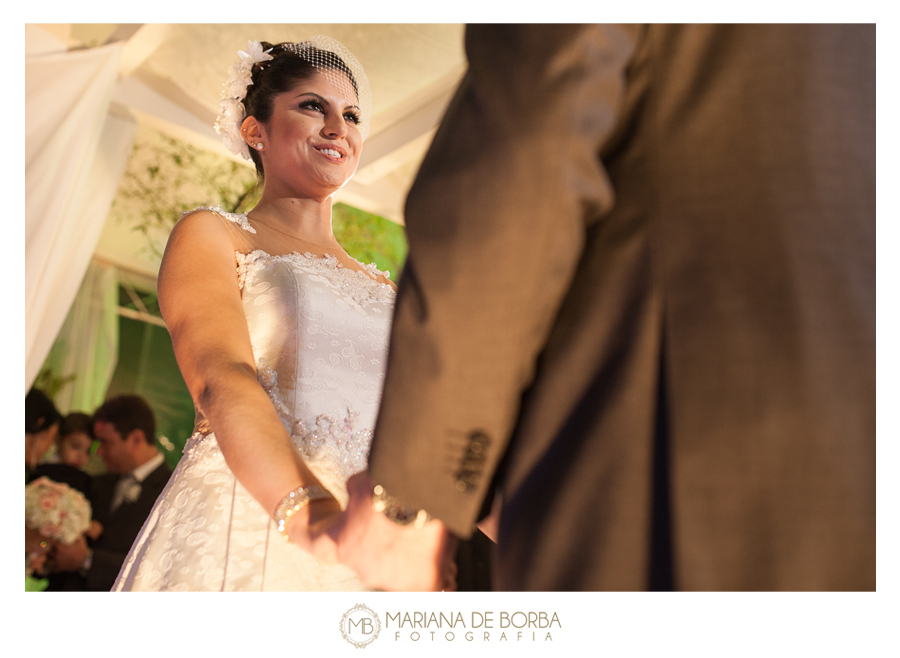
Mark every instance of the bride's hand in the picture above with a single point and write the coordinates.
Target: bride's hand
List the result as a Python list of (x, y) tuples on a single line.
[(391, 557), (315, 530)]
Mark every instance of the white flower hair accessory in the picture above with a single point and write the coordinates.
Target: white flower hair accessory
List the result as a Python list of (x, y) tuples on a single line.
[(233, 113)]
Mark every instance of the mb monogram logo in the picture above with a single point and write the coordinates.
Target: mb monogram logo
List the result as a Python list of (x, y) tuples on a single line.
[(360, 626)]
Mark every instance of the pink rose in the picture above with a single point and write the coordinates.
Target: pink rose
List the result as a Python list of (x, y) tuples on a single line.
[(50, 530)]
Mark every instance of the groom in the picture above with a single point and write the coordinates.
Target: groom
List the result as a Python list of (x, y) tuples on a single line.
[(639, 310)]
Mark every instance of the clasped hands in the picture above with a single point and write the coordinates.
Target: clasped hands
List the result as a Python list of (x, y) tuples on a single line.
[(385, 555)]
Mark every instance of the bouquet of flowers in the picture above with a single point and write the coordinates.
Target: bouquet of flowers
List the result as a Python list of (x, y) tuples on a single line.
[(56, 510)]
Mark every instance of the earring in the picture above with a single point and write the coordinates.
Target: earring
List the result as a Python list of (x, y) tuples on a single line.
[(259, 146)]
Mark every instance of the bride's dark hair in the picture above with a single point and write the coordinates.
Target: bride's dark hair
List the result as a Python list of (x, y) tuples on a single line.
[(291, 63)]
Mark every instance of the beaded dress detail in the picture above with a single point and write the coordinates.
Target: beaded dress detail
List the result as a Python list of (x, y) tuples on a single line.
[(320, 334)]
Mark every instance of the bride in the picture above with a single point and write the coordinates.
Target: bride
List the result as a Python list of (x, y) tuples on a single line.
[(281, 338)]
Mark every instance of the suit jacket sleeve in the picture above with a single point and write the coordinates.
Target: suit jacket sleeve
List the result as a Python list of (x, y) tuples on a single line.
[(496, 222)]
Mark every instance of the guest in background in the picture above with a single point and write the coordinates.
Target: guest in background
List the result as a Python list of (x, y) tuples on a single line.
[(41, 427), (76, 436), (122, 499), (43, 424)]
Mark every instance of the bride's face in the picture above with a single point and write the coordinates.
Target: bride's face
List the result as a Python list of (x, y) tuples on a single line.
[(313, 141)]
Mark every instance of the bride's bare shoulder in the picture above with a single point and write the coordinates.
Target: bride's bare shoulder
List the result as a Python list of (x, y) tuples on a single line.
[(202, 240), (210, 227)]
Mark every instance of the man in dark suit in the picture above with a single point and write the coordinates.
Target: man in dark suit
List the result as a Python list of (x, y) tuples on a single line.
[(640, 305), (122, 498)]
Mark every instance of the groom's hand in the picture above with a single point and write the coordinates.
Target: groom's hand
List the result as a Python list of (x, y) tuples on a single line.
[(389, 556)]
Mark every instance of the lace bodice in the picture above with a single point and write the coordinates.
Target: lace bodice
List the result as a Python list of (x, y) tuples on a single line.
[(319, 333)]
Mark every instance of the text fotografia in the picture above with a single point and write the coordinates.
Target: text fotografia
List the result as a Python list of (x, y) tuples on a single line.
[(478, 626)]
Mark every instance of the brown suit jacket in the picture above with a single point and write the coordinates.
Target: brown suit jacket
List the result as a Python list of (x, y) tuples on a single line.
[(640, 300)]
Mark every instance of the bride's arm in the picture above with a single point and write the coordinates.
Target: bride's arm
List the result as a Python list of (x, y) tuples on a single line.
[(200, 301)]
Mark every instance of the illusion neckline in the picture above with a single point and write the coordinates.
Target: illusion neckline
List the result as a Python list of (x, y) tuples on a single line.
[(368, 271)]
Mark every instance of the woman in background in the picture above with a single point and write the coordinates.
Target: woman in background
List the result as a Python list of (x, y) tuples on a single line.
[(41, 427)]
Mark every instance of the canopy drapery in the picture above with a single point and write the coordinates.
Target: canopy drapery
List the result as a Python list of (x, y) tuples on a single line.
[(75, 154), (88, 343)]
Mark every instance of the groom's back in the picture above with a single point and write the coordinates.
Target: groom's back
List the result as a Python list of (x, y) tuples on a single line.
[(737, 265), (666, 235)]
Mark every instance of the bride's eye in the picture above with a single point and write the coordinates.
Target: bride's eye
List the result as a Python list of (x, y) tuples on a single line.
[(314, 105), (352, 117)]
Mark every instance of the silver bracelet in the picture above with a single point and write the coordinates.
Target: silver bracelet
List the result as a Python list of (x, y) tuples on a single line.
[(295, 501)]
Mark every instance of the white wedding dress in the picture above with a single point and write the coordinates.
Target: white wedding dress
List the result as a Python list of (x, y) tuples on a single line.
[(320, 338)]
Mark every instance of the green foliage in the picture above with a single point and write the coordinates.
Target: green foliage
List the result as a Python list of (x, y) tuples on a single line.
[(33, 584), (370, 238), (166, 177), (51, 383)]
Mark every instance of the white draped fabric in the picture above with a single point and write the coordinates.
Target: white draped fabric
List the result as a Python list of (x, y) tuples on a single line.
[(88, 343), (75, 154)]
